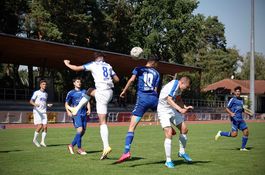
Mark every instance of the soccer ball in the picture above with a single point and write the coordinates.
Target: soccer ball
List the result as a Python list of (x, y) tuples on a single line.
[(136, 52)]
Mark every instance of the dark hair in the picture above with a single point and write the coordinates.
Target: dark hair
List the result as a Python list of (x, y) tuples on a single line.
[(153, 58), (76, 78), (98, 54), (237, 88), (43, 81)]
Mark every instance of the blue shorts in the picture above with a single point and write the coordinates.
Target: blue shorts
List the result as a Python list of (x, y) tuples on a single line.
[(80, 121), (143, 103), (238, 125)]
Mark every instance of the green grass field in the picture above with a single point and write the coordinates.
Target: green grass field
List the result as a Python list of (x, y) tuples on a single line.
[(19, 156)]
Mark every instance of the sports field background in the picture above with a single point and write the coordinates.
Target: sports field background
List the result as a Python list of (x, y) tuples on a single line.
[(19, 156)]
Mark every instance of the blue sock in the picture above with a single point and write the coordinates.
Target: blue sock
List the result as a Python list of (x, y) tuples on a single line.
[(77, 140), (128, 141), (226, 134), (244, 141)]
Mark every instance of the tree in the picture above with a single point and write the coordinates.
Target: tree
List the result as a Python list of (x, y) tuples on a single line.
[(38, 23), (10, 14), (259, 67)]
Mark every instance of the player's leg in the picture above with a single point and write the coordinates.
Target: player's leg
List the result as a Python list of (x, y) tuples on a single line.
[(38, 123), (102, 100), (244, 128), (44, 131), (233, 133), (164, 119), (183, 141), (86, 97), (140, 107)]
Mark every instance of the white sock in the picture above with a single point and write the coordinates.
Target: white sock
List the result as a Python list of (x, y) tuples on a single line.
[(182, 143), (35, 135), (167, 145), (43, 135), (104, 132), (82, 102)]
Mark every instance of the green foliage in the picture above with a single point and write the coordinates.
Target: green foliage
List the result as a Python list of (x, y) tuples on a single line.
[(259, 67), (10, 14)]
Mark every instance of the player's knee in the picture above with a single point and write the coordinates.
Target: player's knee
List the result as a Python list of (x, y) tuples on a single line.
[(168, 132), (246, 132), (233, 134), (184, 131)]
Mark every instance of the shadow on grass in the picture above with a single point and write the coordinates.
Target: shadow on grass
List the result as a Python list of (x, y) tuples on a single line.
[(176, 162), (95, 151), (54, 145), (10, 151), (129, 160), (249, 148)]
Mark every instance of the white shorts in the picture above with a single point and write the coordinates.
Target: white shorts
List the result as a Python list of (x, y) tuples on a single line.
[(170, 117), (103, 97), (39, 118)]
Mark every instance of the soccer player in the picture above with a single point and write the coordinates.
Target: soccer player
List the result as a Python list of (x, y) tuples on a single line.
[(79, 120), (170, 114), (39, 101), (147, 97), (235, 110), (104, 76)]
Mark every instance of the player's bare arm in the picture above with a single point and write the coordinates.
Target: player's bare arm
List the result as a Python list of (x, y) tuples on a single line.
[(130, 81), (67, 111), (73, 67), (172, 103), (88, 106), (115, 79), (230, 112), (33, 103)]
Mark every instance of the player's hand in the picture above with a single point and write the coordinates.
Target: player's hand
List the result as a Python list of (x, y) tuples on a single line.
[(37, 105), (69, 114), (183, 110), (189, 107), (49, 105), (88, 112), (233, 114), (66, 62), (122, 95)]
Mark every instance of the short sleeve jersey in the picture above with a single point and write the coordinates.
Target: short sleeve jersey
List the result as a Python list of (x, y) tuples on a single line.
[(40, 98), (148, 79), (102, 73)]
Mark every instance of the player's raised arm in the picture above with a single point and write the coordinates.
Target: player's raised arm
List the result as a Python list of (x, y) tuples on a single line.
[(72, 66), (130, 81)]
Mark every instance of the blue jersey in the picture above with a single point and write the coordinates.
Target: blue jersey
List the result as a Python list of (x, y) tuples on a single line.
[(148, 79), (236, 106), (73, 98)]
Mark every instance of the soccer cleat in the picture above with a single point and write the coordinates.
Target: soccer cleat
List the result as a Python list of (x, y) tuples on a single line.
[(81, 151), (43, 144), (170, 165), (105, 153), (173, 131), (124, 157), (186, 157), (36, 143), (73, 110), (71, 149), (217, 135), (244, 149)]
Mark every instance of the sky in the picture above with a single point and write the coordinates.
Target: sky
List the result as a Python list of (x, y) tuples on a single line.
[(236, 16)]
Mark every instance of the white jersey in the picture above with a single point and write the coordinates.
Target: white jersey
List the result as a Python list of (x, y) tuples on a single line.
[(40, 98), (102, 73), (170, 89)]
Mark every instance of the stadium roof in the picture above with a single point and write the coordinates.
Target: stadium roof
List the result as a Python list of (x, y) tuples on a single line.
[(24, 51), (230, 84)]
